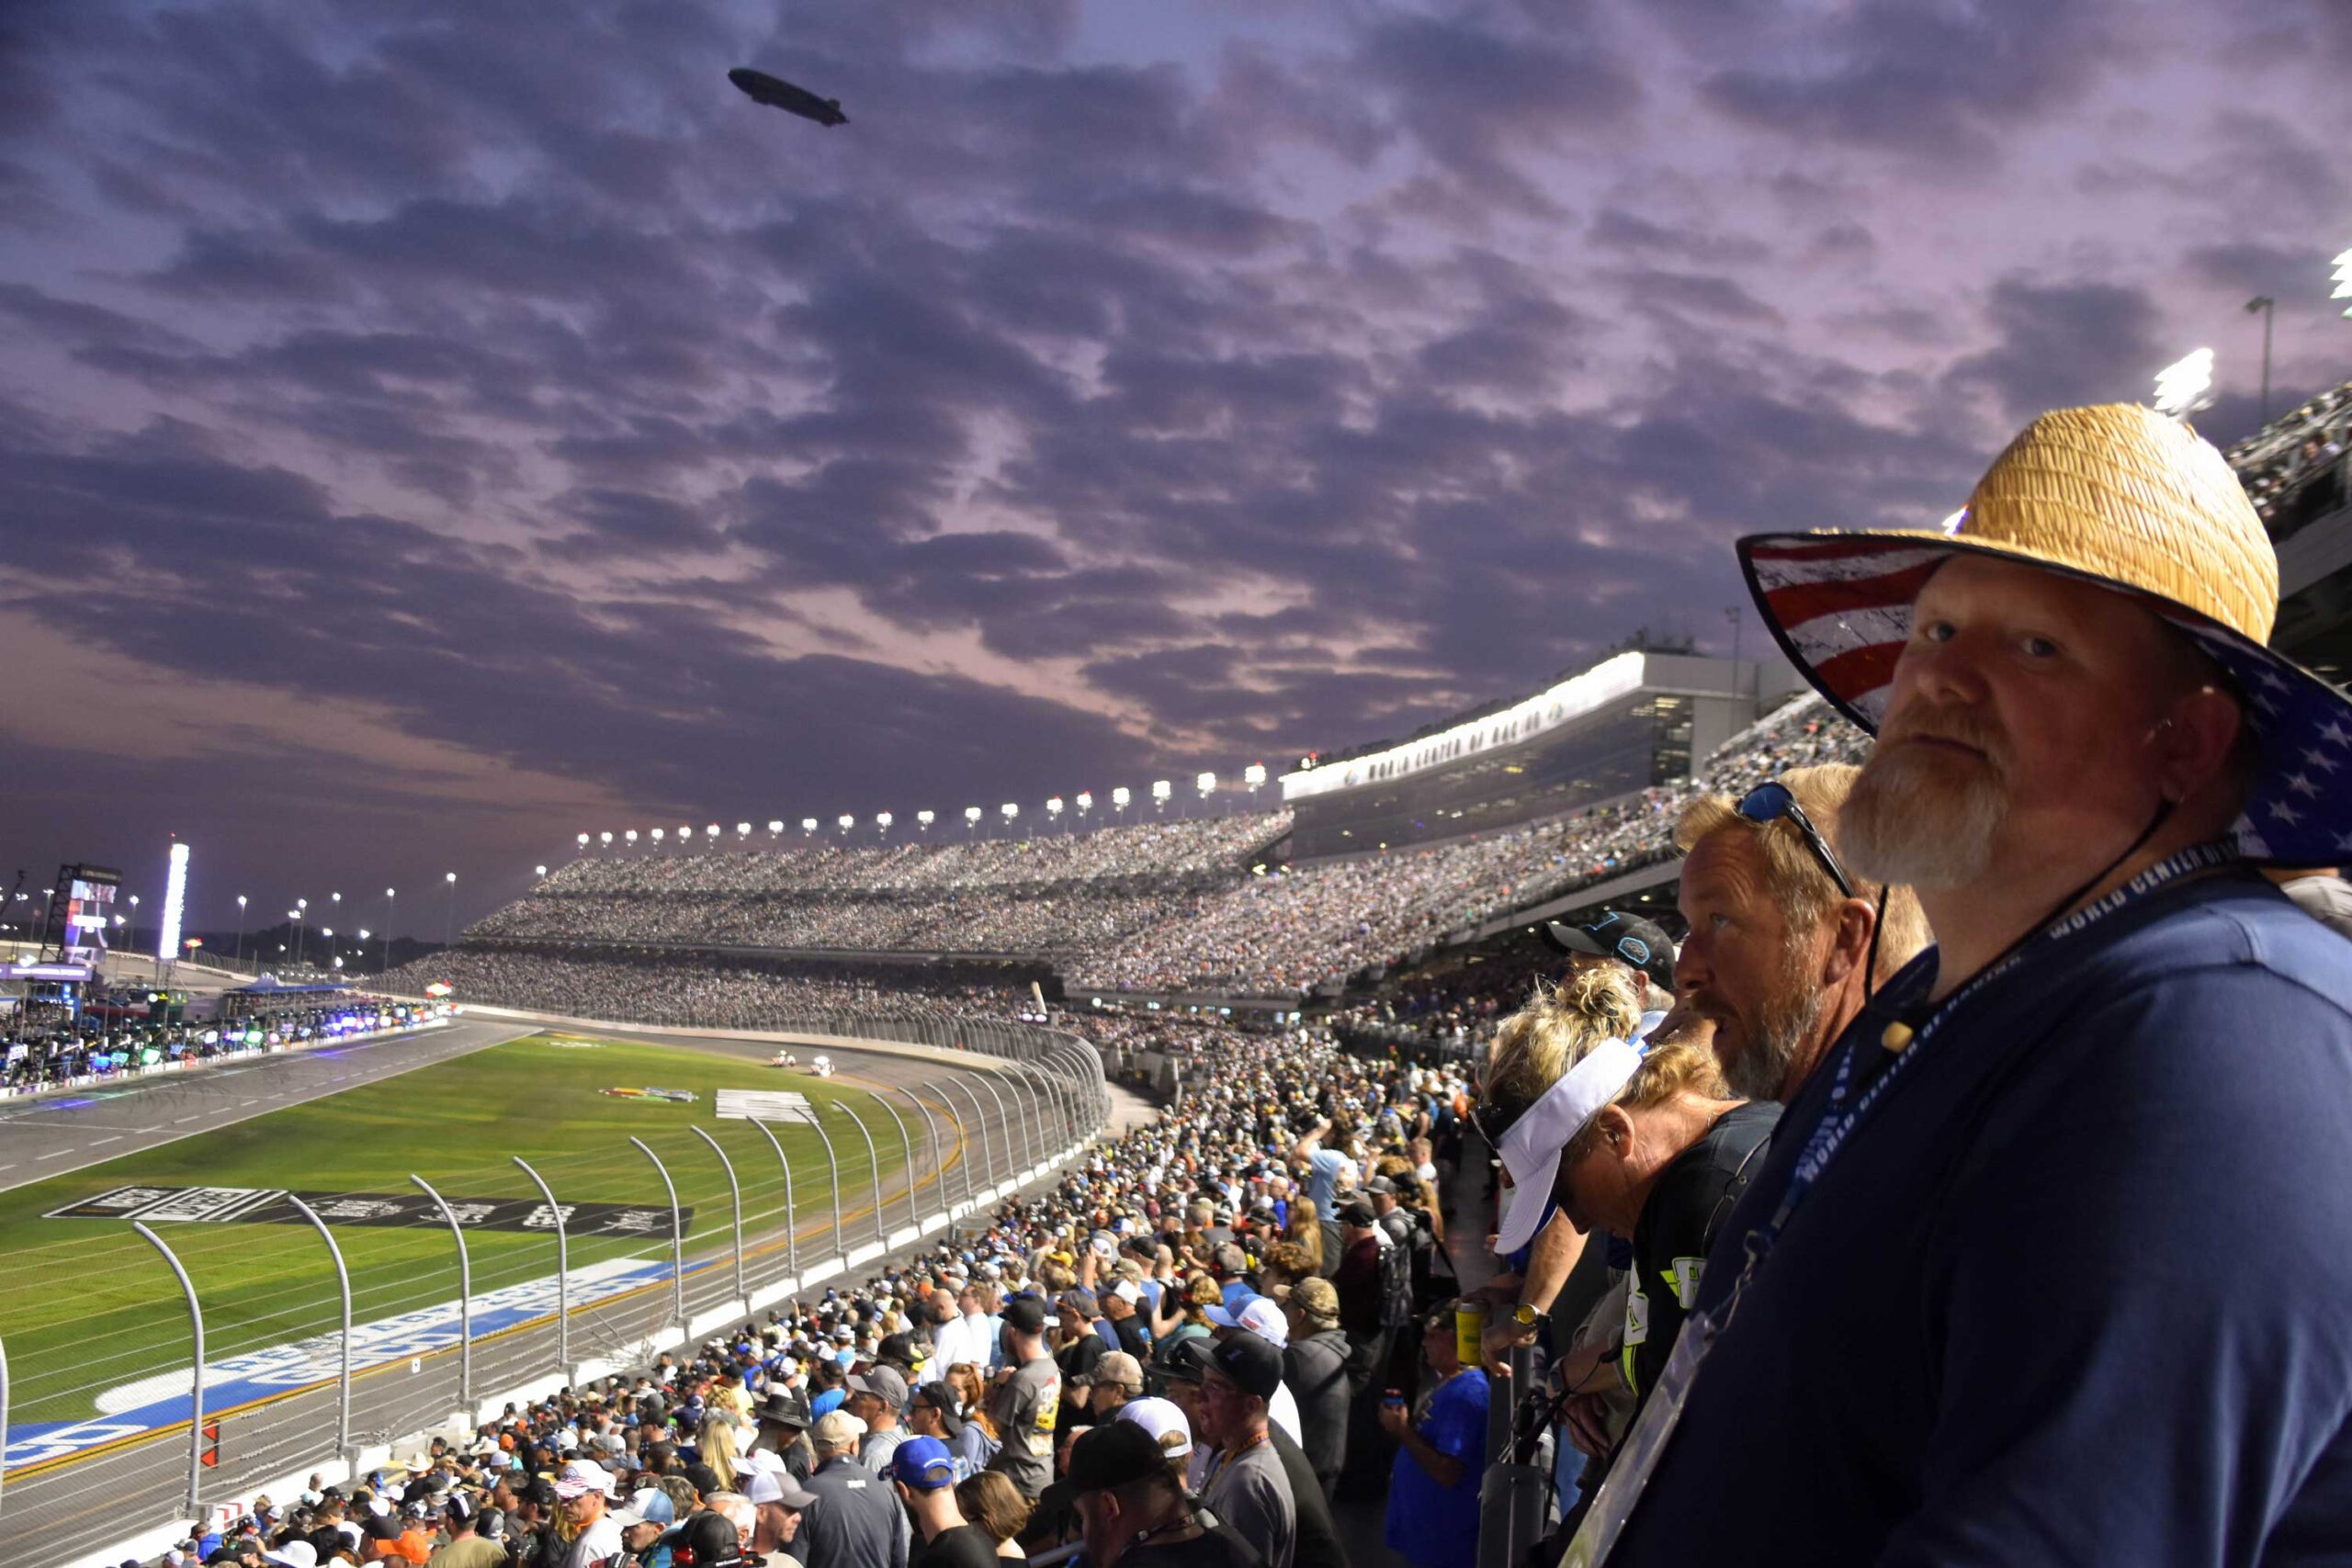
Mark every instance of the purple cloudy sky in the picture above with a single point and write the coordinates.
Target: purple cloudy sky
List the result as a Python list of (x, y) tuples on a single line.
[(428, 430)]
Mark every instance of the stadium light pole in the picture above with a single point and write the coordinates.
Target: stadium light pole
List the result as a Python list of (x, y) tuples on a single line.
[(342, 1340), (388, 929), (2266, 308), (563, 1271), (241, 928), (791, 1229), (971, 820), (299, 914), (465, 1298), (449, 921), (873, 1165), (736, 1187), (195, 1391), (832, 1164), (677, 1233)]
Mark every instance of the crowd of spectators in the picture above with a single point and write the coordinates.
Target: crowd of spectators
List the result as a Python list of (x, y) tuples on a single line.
[(1179, 1335), (2293, 468), (1200, 922), (1032, 894), (705, 989)]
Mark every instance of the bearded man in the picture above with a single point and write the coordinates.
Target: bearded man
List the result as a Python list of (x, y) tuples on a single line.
[(1786, 940), (2046, 1264)]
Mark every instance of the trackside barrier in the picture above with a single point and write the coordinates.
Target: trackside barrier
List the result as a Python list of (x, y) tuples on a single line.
[(528, 1351)]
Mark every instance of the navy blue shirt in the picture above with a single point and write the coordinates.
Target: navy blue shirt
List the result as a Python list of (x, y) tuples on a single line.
[(2079, 1290)]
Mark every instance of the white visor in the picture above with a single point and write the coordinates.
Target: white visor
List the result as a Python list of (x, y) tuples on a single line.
[(1530, 1148)]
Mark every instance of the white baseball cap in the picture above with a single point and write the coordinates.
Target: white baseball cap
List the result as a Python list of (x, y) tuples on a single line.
[(1164, 1420), (580, 1477)]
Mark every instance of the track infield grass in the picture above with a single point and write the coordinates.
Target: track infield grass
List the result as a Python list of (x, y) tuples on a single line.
[(88, 1307)]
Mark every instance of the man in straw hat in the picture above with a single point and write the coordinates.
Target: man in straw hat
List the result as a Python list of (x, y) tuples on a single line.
[(2047, 1264)]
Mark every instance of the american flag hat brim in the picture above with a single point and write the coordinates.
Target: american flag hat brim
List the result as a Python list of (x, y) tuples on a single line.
[(2121, 497)]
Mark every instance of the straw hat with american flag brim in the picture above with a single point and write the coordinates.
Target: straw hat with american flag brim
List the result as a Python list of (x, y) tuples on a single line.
[(2123, 496)]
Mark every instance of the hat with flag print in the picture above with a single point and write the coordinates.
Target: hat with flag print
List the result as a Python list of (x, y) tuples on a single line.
[(2123, 496)]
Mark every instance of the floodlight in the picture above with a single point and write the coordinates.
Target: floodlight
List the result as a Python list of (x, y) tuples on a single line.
[(743, 830), (711, 831), (657, 835), (2183, 387), (1010, 810), (1254, 774), (584, 840), (971, 814), (925, 818), (775, 826), (883, 820), (630, 835), (1053, 807), (175, 901), (1121, 795), (1085, 803), (450, 876), (685, 831), (1161, 789), (807, 824), (606, 837), (846, 821), (1206, 783)]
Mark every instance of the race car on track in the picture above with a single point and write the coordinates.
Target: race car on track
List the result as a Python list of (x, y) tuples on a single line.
[(822, 1065), (784, 1059)]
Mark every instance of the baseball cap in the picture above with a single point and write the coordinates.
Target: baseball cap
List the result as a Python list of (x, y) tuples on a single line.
[(837, 1430), (1025, 1314), (1356, 1212), (1259, 1316), (1164, 1420), (885, 1383), (709, 1541), (1613, 933), (1178, 1360), (1317, 1298), (924, 1464), (1121, 1368), (1381, 1184), (942, 1398), (704, 1480), (580, 1477), (1082, 1302), (294, 1554), (1113, 1456), (653, 1506), (1250, 1363)]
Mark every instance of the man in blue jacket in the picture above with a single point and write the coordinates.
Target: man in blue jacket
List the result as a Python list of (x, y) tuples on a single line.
[(2047, 1264)]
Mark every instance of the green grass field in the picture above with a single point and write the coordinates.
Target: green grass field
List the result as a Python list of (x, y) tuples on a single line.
[(88, 1307)]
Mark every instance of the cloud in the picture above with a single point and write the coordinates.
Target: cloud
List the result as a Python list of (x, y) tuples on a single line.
[(2062, 344)]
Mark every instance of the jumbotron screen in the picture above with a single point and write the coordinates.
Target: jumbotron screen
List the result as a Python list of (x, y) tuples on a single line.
[(89, 906)]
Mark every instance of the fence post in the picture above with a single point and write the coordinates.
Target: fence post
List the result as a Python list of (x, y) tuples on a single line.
[(791, 1227), (737, 1189), (342, 1373), (832, 1164), (1041, 1094), (195, 1388), (465, 1299), (562, 1273), (978, 1136), (965, 1164), (1013, 1116), (677, 1233), (873, 1157), (906, 1140)]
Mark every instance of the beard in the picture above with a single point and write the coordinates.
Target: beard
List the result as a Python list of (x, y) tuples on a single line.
[(1925, 817), (1785, 1023)]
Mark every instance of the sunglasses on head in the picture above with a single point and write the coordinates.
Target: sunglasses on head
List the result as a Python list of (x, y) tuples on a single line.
[(1773, 802)]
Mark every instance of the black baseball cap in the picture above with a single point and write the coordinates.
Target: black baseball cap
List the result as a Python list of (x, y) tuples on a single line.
[(942, 1398), (1025, 1314), (1250, 1363), (1632, 940), (1115, 1455)]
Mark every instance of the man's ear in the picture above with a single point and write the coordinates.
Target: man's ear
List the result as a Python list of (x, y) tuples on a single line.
[(2197, 741), (1849, 940)]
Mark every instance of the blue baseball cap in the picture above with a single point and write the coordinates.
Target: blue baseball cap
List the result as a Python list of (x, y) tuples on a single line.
[(924, 1464)]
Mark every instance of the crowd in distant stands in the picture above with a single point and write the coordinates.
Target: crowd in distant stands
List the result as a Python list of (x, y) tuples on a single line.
[(1199, 1321), (701, 988), (2293, 468), (1239, 932)]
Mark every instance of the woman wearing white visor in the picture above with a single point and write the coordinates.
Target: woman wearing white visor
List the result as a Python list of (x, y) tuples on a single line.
[(1640, 1141)]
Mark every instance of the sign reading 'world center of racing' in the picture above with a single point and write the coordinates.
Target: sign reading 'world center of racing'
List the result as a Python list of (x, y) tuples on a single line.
[(268, 1206)]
